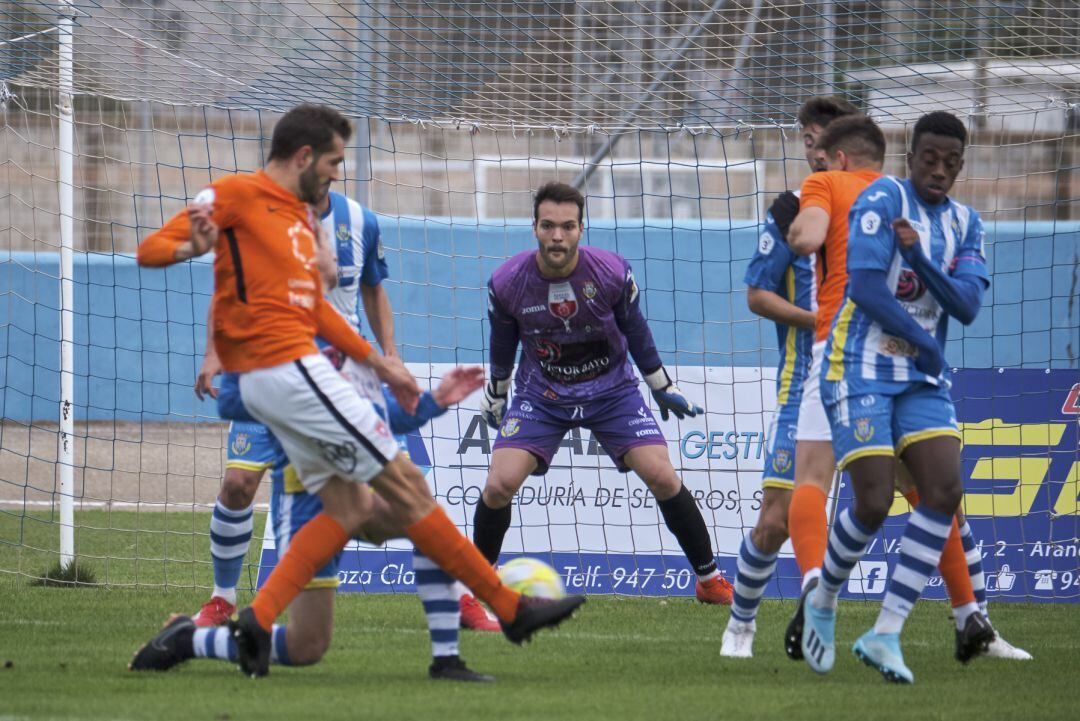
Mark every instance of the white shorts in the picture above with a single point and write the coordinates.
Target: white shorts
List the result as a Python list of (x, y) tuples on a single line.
[(813, 423), (322, 423)]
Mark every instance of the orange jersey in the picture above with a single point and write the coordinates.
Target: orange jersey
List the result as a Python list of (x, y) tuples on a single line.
[(835, 192), (268, 300)]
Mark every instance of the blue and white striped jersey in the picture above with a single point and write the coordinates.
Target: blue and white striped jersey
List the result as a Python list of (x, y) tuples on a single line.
[(355, 231), (952, 237), (776, 268)]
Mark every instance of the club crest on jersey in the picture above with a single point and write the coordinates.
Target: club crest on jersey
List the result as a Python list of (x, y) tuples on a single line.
[(781, 461), (909, 287), (510, 427), (241, 444), (562, 303), (864, 430), (589, 290), (342, 232)]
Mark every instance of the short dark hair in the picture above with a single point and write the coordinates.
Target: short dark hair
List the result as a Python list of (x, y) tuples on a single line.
[(856, 135), (308, 124), (557, 192), (823, 109), (939, 122)]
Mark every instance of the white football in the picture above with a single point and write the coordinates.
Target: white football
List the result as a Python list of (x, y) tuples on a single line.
[(531, 577)]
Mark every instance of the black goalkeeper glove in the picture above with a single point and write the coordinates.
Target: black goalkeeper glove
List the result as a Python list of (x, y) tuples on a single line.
[(783, 210)]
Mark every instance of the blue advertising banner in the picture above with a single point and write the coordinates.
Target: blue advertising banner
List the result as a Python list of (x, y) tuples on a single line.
[(1020, 462)]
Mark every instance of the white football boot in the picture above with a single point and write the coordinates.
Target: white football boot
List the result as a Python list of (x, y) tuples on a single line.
[(738, 641)]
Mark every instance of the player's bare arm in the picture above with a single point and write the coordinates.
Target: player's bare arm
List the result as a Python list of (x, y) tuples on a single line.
[(380, 317), (211, 365), (808, 230), (778, 309)]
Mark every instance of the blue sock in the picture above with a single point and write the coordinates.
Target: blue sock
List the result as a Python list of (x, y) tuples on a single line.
[(920, 551), (848, 540), (230, 536), (975, 568), (755, 568), (436, 590), (217, 643)]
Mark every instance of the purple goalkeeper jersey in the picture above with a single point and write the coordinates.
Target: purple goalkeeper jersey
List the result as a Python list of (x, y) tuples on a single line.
[(575, 331)]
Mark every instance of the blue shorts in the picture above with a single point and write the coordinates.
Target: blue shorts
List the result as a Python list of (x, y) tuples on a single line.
[(290, 508), (779, 469), (620, 422), (252, 447), (885, 422)]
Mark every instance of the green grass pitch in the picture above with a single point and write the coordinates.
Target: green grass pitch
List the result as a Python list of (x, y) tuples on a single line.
[(63, 655)]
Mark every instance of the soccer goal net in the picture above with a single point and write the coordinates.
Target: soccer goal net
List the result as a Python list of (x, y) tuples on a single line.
[(677, 120)]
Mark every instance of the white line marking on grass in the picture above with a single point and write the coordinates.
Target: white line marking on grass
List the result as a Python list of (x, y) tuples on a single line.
[(122, 505)]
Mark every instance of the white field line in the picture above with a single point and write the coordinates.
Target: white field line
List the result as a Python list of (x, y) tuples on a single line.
[(138, 505)]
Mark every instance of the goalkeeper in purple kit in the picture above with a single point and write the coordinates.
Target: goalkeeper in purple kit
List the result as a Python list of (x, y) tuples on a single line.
[(575, 312)]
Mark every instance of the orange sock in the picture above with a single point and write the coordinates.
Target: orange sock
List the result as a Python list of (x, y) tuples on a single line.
[(808, 526), (439, 539), (953, 564), (310, 549)]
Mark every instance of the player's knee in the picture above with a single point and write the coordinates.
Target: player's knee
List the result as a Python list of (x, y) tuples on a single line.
[(238, 488), (663, 482), (500, 489), (309, 650), (770, 532), (873, 509), (943, 497), (769, 537)]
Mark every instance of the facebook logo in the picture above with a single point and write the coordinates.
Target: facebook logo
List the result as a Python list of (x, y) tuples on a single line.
[(868, 577)]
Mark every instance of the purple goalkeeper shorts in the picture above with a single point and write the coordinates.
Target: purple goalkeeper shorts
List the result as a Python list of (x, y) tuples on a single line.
[(619, 422)]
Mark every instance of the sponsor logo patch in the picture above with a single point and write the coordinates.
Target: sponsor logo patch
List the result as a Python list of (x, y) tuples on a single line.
[(765, 243), (870, 222), (562, 302), (909, 286)]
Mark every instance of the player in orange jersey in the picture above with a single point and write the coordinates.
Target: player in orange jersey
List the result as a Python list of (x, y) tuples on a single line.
[(268, 306), (854, 152)]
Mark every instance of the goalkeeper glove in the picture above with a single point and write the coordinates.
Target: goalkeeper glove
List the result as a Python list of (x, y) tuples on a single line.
[(493, 405), (783, 210), (669, 397)]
